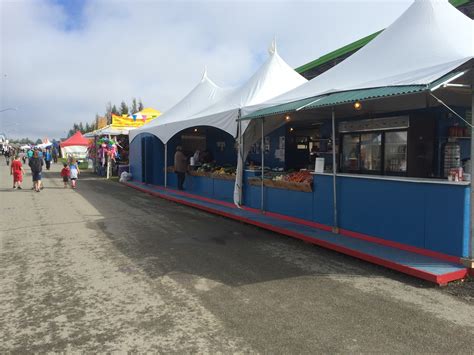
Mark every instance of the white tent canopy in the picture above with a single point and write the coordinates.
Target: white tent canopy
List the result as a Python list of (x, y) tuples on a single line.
[(273, 78), (430, 39), (203, 95), (109, 130)]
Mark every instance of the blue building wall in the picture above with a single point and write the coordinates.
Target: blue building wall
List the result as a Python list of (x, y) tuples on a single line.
[(147, 159), (135, 158), (218, 189), (269, 156), (423, 215), (225, 156)]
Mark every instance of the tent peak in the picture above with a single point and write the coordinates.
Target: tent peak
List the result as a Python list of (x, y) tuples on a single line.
[(272, 49), (204, 74)]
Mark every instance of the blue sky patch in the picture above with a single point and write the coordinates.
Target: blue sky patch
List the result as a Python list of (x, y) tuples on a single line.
[(74, 10)]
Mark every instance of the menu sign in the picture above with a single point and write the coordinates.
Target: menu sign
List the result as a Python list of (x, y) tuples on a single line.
[(375, 124)]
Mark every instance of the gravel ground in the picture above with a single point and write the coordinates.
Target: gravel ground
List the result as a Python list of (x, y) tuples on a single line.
[(106, 268)]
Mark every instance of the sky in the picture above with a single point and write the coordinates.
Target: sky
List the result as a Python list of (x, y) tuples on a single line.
[(62, 61)]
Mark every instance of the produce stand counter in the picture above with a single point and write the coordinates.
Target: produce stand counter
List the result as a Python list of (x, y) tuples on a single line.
[(215, 185), (289, 194), (431, 214)]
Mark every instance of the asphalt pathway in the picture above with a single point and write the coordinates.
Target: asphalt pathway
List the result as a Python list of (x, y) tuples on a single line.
[(107, 268)]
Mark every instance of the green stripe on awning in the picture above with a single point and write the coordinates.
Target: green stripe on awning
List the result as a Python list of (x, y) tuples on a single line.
[(364, 94), (335, 99), (275, 110), (343, 97)]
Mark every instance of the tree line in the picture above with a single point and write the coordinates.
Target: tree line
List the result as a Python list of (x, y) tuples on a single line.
[(123, 109)]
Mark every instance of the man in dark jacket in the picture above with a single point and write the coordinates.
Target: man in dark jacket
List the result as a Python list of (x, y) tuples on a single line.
[(36, 166), (7, 155), (180, 166)]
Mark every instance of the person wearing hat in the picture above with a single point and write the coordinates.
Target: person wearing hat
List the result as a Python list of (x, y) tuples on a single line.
[(180, 166)]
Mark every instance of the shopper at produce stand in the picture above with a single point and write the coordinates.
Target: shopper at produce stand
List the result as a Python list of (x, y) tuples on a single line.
[(180, 166)]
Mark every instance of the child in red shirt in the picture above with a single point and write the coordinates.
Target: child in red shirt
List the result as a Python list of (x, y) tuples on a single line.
[(65, 173), (16, 169)]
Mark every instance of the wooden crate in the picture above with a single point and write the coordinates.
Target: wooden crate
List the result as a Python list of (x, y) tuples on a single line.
[(223, 176), (286, 185), (200, 173)]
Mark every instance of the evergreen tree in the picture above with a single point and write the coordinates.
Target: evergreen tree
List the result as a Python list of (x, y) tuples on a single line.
[(114, 110), (140, 105), (38, 141), (134, 107), (123, 108)]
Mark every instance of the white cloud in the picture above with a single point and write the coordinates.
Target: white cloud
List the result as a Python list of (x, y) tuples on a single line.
[(155, 51)]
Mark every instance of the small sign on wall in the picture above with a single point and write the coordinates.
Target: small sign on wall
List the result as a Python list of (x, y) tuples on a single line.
[(221, 146)]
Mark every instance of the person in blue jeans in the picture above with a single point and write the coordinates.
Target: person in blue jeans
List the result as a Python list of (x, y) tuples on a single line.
[(47, 158)]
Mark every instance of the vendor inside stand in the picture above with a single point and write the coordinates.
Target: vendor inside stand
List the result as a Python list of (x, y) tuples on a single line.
[(206, 148)]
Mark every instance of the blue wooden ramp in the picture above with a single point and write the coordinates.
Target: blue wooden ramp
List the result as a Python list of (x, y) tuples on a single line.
[(414, 263)]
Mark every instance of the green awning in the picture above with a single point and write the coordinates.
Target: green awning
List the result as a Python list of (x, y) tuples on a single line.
[(337, 98), (344, 97), (275, 110)]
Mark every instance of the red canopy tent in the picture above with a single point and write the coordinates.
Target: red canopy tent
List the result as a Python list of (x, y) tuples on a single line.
[(75, 146), (76, 139)]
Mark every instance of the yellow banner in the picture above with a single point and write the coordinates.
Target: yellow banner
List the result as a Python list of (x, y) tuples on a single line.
[(119, 121)]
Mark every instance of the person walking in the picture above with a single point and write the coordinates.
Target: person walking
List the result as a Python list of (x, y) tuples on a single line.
[(22, 156), (16, 169), (55, 154), (36, 165), (74, 172), (47, 158), (7, 156), (65, 173), (180, 166)]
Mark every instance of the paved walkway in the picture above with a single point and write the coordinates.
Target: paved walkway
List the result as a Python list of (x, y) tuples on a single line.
[(106, 268), (420, 265)]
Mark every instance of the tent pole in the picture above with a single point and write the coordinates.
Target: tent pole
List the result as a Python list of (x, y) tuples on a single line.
[(262, 151), (166, 165), (108, 163), (335, 228), (471, 238), (241, 157)]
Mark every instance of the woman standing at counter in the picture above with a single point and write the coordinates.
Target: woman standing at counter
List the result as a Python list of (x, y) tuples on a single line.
[(180, 166)]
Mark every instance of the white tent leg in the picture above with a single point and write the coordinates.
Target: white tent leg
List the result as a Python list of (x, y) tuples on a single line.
[(166, 165), (108, 164)]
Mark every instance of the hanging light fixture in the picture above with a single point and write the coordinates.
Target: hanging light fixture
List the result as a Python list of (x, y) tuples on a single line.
[(357, 105)]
